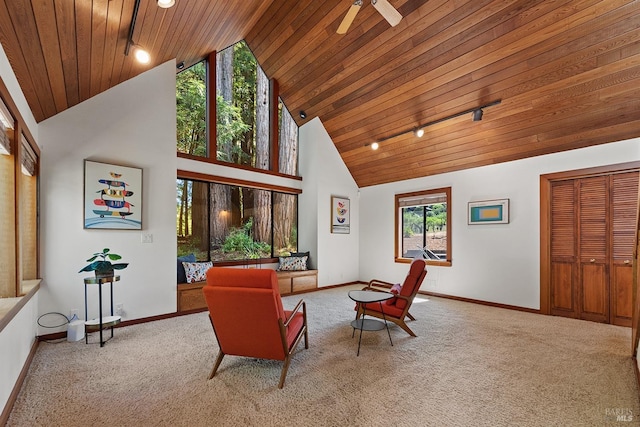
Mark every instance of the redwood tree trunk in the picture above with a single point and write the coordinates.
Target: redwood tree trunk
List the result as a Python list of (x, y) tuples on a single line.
[(288, 145), (199, 214), (220, 213), (284, 205), (262, 219), (224, 88), (220, 195)]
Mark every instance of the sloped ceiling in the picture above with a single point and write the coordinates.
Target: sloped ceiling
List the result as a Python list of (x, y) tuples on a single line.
[(567, 73)]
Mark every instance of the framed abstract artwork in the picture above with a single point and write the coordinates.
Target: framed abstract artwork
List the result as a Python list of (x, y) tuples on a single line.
[(489, 212), (112, 196), (340, 212)]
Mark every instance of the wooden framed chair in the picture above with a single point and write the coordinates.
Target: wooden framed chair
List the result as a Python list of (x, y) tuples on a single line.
[(396, 309), (248, 319)]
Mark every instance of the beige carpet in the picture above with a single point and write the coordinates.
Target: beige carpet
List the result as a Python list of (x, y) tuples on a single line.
[(471, 365)]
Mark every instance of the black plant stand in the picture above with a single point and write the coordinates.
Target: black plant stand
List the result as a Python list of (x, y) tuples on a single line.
[(101, 322)]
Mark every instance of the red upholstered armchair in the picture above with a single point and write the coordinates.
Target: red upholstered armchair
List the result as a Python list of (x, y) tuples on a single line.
[(248, 318), (396, 309)]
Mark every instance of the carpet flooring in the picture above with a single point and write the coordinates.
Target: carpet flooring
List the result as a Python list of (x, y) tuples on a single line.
[(470, 365)]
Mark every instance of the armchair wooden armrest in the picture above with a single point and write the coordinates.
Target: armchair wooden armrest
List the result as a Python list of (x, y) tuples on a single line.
[(378, 285), (302, 304)]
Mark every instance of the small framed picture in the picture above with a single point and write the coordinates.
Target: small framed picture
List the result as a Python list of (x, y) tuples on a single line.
[(340, 211), (112, 196), (489, 212)]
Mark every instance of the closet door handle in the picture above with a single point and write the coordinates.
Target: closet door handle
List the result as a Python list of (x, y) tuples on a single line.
[(592, 260), (626, 261)]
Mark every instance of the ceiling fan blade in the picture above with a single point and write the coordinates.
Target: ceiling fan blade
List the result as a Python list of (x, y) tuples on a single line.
[(388, 12), (349, 17)]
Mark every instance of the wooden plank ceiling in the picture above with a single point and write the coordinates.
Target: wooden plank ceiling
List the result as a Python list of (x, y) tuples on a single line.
[(567, 72)]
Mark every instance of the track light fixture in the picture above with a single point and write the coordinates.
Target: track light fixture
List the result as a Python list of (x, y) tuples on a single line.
[(419, 131), (180, 65), (141, 54), (166, 3)]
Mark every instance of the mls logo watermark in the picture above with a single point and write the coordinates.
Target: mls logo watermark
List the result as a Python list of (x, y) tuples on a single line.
[(619, 414)]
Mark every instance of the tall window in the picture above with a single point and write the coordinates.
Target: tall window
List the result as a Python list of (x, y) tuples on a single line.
[(423, 226), (8, 205), (18, 210), (222, 222), (28, 213), (288, 147), (242, 91), (244, 111), (191, 110)]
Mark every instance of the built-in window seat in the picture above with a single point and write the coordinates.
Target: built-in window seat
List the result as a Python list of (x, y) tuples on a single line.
[(191, 299)]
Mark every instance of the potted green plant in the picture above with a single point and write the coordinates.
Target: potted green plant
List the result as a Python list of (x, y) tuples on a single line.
[(103, 266)]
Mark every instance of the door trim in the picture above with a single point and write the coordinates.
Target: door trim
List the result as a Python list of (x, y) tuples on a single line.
[(545, 219)]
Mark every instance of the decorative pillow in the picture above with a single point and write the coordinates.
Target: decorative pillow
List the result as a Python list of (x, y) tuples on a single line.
[(302, 254), (182, 277), (196, 271), (395, 289), (293, 263)]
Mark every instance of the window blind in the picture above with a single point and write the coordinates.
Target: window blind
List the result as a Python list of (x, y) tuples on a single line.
[(28, 158), (6, 122)]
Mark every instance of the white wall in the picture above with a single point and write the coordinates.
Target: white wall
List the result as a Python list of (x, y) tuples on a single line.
[(325, 175), (132, 124), (495, 263), (17, 338)]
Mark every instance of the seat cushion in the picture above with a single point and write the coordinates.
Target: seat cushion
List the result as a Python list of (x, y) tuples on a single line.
[(388, 310)]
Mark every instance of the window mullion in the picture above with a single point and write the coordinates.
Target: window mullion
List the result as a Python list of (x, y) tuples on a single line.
[(212, 106)]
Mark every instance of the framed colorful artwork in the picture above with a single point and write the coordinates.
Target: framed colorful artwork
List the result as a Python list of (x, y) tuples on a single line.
[(112, 196), (340, 211), (489, 212)]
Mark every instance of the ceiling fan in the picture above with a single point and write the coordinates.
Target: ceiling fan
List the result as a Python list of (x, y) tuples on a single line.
[(385, 8)]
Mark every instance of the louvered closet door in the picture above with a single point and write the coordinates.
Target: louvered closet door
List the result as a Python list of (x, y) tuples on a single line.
[(563, 250), (593, 248), (624, 200)]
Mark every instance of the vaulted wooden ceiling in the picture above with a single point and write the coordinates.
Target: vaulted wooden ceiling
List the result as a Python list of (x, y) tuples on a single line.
[(567, 73)]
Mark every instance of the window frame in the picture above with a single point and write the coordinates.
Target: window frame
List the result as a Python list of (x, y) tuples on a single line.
[(24, 289), (399, 232), (215, 179)]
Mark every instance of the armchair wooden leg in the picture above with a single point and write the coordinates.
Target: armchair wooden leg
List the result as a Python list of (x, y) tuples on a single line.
[(410, 316), (285, 368), (406, 328), (217, 364)]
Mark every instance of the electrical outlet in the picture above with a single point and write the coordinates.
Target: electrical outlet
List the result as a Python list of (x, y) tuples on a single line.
[(146, 237), (119, 309), (74, 311)]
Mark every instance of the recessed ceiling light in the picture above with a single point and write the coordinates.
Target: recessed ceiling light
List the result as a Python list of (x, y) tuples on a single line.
[(166, 3), (142, 55)]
